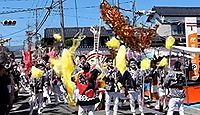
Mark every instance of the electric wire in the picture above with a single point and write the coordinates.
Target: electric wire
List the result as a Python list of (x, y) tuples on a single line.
[(44, 8), (41, 23), (16, 32), (53, 5)]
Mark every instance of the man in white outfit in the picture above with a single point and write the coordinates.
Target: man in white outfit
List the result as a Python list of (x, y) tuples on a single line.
[(132, 81), (112, 76)]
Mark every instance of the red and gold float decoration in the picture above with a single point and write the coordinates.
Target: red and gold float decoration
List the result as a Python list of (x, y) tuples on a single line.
[(137, 39)]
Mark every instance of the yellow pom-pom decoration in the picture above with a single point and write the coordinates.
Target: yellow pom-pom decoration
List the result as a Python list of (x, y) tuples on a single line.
[(53, 61), (145, 64), (121, 59), (36, 73), (113, 43), (169, 42), (57, 37), (58, 67), (163, 62)]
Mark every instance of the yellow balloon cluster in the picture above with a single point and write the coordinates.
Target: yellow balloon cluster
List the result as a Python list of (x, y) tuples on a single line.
[(58, 66), (145, 64), (163, 62), (57, 37), (113, 43), (36, 73), (169, 42)]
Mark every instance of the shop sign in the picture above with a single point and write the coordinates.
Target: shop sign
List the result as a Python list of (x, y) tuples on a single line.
[(192, 41)]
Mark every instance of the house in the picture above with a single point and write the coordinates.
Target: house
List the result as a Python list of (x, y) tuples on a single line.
[(70, 32), (171, 21), (86, 44)]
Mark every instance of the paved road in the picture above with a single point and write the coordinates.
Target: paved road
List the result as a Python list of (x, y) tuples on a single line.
[(21, 107)]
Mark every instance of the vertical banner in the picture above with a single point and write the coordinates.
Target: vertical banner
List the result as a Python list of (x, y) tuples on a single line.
[(96, 43), (192, 41)]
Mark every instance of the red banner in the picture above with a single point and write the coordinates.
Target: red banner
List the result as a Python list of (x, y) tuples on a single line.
[(27, 61)]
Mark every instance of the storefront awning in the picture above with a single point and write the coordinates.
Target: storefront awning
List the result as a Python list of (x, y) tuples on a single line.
[(187, 49)]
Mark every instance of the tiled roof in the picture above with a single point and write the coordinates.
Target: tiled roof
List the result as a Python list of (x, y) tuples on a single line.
[(70, 32), (177, 11)]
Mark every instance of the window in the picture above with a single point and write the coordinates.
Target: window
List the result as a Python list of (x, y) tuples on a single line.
[(178, 28), (87, 42)]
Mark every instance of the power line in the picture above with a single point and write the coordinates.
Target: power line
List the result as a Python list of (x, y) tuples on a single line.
[(41, 14), (76, 13), (13, 0), (15, 32), (31, 9), (80, 17), (82, 7), (53, 5), (30, 13), (46, 15), (44, 6), (6, 7), (25, 10), (89, 7), (21, 18), (37, 3)]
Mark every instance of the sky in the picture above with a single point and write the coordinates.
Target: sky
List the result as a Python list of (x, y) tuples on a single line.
[(87, 14)]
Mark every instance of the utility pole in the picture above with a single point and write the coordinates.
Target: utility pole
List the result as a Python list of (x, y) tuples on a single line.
[(36, 25), (76, 13), (36, 21), (133, 10), (118, 3), (62, 22)]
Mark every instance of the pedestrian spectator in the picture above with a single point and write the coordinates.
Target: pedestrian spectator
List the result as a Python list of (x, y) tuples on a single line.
[(5, 88), (154, 82), (175, 81), (56, 82), (47, 85), (162, 90), (16, 77), (37, 84)]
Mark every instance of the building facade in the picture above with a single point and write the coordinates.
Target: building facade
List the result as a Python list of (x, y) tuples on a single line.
[(171, 21), (86, 45), (176, 22)]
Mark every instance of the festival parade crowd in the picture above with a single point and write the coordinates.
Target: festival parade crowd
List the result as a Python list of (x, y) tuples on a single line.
[(159, 83), (94, 81)]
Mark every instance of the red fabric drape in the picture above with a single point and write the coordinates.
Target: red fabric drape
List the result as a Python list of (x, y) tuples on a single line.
[(27, 61)]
